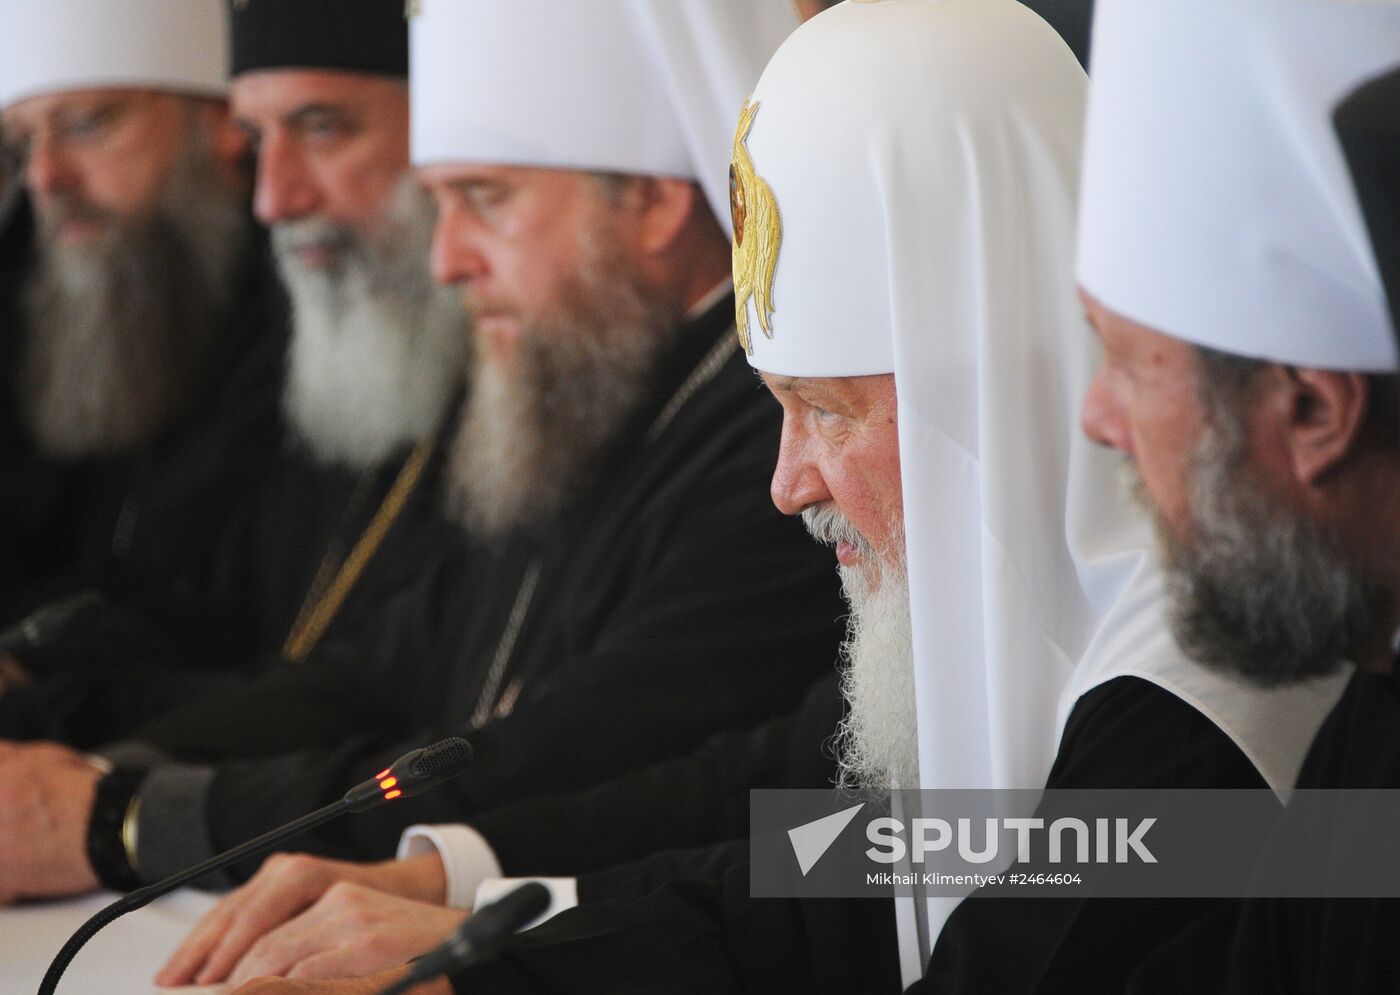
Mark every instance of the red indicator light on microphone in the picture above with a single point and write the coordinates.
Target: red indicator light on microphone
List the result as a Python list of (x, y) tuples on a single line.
[(388, 783), (383, 773), (391, 795)]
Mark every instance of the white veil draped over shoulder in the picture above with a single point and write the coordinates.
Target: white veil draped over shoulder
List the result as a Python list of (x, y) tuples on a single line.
[(924, 157)]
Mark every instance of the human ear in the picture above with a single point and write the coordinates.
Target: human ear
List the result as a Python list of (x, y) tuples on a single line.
[(1325, 412), (665, 208)]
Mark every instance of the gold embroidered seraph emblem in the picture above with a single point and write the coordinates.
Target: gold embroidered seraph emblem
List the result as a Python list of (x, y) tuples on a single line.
[(758, 234)]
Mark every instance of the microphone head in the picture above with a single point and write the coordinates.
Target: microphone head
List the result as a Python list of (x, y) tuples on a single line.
[(412, 774), (444, 759)]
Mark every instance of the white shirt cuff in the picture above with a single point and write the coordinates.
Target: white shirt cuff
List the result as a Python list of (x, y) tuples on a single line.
[(563, 894), (467, 859)]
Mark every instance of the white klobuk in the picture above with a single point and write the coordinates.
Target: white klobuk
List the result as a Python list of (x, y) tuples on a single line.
[(646, 87), (1217, 203), (59, 45), (906, 176)]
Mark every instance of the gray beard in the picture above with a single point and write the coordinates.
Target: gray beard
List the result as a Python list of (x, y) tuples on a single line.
[(534, 433), (120, 330), (378, 348), (1256, 590), (878, 740)]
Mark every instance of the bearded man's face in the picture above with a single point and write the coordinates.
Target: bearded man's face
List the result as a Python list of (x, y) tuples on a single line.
[(377, 348), (878, 741), (1256, 587), (566, 331), (124, 306), (838, 467), (555, 380), (94, 160)]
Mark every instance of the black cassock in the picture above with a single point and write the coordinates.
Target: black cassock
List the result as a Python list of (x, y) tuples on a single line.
[(701, 932), (696, 800), (141, 529), (1306, 944), (274, 529), (670, 601), (273, 569)]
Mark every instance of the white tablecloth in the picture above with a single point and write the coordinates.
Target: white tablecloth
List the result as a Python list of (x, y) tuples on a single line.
[(120, 960)]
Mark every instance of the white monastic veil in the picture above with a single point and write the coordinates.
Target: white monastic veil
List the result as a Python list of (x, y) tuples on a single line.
[(941, 140)]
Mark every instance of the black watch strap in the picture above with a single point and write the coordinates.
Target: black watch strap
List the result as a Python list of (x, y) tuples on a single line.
[(108, 834)]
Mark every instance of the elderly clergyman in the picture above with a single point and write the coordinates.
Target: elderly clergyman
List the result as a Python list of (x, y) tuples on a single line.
[(140, 357), (928, 353), (374, 361), (638, 592), (1249, 373)]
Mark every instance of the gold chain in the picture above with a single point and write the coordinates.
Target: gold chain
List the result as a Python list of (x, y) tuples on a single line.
[(317, 614)]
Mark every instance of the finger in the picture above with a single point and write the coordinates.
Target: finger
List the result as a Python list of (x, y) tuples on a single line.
[(338, 962), (273, 906), (194, 950), (278, 951), (249, 929)]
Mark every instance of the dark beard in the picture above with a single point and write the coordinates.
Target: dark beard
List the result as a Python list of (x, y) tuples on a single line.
[(533, 435), (1256, 589), (119, 331)]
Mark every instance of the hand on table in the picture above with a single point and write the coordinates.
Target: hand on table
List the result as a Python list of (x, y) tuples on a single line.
[(351, 931), (286, 886), (46, 796)]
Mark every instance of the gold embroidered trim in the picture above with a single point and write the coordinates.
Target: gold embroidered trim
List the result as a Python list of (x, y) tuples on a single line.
[(318, 611)]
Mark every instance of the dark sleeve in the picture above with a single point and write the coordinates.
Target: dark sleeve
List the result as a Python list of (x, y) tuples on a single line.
[(727, 617), (696, 800), (327, 698), (1126, 733), (91, 710), (1280, 947), (632, 881), (703, 936), (288, 708), (1305, 945)]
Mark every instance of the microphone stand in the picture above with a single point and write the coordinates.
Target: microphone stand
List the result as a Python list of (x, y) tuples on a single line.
[(412, 773), (142, 897)]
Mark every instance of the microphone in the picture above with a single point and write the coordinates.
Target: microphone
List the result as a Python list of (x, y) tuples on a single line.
[(47, 621), (479, 938), (412, 774)]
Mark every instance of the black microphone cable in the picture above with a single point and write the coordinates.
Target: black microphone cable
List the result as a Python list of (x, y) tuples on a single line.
[(413, 773)]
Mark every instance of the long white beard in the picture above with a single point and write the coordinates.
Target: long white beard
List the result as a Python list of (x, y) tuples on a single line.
[(878, 742), (120, 330), (377, 347)]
